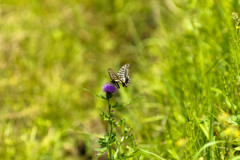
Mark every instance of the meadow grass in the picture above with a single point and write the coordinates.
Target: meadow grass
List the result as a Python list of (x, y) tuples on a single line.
[(184, 58)]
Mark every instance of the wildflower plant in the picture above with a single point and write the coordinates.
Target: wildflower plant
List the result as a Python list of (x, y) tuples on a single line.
[(236, 19), (118, 142)]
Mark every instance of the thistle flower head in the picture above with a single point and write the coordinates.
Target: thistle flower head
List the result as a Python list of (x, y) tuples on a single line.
[(109, 88)]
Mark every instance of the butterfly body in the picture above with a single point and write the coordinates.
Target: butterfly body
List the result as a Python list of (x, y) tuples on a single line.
[(122, 77)]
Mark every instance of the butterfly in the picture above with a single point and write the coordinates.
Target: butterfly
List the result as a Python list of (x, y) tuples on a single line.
[(121, 77)]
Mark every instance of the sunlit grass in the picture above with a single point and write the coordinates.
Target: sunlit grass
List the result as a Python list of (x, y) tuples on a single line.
[(184, 60)]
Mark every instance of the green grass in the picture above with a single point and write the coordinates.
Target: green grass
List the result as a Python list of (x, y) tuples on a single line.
[(184, 58)]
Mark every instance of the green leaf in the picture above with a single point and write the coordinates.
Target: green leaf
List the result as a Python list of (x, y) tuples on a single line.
[(101, 150), (236, 158), (126, 129), (113, 139), (237, 149), (206, 146), (104, 115), (116, 153), (232, 119), (133, 153), (97, 95), (102, 142), (129, 136), (204, 129), (133, 101), (151, 153), (117, 105), (119, 123), (124, 156)]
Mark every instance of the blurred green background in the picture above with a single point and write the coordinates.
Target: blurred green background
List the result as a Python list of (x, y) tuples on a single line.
[(184, 57)]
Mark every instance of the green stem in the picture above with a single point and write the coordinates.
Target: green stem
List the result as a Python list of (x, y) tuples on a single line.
[(109, 130), (211, 149)]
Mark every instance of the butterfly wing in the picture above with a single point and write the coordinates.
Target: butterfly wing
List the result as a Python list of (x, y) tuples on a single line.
[(114, 78), (123, 75)]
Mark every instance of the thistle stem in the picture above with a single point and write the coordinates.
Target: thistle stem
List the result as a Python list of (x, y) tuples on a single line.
[(109, 131)]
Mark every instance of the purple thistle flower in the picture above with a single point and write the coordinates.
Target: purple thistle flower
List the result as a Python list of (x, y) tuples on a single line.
[(109, 88)]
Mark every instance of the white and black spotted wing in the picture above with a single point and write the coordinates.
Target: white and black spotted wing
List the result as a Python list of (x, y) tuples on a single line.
[(123, 74), (114, 78)]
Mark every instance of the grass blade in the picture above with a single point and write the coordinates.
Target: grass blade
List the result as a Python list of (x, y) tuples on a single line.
[(206, 146), (155, 155)]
